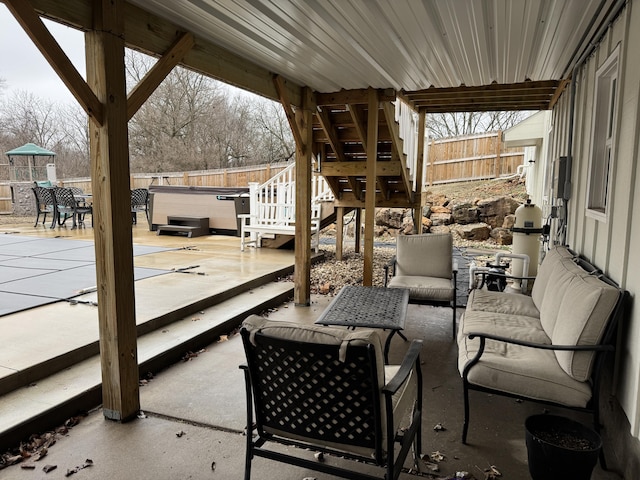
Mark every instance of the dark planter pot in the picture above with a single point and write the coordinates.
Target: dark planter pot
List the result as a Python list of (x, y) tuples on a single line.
[(559, 448)]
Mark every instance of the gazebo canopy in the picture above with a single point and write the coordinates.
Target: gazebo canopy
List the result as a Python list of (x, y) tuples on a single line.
[(30, 149)]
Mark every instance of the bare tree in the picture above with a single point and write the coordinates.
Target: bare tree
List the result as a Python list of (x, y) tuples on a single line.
[(444, 125), (73, 148), (169, 132), (191, 122), (27, 118), (276, 139)]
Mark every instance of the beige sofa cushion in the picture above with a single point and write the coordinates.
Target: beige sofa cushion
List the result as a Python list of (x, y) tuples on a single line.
[(317, 334), (564, 271), (501, 302), (422, 255), (582, 317), (523, 371), (424, 288), (545, 271), (518, 327)]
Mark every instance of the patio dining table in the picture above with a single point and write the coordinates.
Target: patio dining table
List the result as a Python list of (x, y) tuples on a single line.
[(369, 307)]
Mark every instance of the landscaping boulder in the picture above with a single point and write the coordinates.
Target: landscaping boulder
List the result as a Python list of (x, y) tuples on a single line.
[(426, 225), (502, 236), (474, 231), (493, 210), (389, 217), (441, 219), (509, 221), (464, 213), (440, 209)]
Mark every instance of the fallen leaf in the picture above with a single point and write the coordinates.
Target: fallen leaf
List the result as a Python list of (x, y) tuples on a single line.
[(439, 427), (434, 467), (180, 434), (49, 468), (436, 456)]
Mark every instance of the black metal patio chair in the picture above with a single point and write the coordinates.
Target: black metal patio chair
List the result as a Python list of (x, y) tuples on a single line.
[(45, 203), (68, 206), (139, 203), (327, 390)]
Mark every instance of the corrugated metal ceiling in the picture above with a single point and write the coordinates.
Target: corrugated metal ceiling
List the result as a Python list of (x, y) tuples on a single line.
[(408, 45)]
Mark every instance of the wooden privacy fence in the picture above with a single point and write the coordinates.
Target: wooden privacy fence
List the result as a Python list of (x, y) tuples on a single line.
[(232, 177), (477, 157)]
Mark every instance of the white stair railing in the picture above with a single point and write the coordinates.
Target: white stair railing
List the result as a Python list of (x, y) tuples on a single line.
[(407, 120), (272, 204)]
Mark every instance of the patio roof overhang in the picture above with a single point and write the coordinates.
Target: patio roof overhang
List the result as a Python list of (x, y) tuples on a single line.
[(442, 56), (484, 55)]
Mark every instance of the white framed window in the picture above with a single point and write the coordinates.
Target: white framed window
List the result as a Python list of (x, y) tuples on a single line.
[(603, 138)]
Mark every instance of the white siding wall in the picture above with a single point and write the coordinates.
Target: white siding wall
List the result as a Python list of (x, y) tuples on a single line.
[(610, 244)]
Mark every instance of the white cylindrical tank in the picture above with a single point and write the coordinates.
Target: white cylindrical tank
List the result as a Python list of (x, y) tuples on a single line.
[(526, 238)]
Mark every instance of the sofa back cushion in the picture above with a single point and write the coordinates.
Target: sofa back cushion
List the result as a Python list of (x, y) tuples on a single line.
[(551, 259), (563, 273), (583, 314), (428, 255)]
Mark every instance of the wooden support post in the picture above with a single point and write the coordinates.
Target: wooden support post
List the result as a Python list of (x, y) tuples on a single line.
[(417, 211), (498, 167), (370, 194), (358, 230), (432, 162), (339, 232), (112, 213), (302, 269)]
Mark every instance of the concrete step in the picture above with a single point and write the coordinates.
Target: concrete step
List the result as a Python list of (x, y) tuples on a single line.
[(48, 402), (61, 336)]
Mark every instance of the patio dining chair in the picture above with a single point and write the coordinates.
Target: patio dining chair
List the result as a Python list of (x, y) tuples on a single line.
[(68, 206), (139, 203), (45, 203), (424, 265), (328, 390)]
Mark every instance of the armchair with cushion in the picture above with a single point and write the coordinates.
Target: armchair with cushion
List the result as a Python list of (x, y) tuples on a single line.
[(424, 265), (327, 390)]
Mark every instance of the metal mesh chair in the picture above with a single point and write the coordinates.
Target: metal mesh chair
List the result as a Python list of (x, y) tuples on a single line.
[(45, 203), (328, 390), (139, 203), (68, 206)]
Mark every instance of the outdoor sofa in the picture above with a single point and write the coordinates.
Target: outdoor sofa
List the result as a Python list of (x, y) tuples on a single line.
[(547, 347)]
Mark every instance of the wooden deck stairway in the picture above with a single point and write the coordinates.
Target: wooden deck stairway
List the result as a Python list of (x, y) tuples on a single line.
[(340, 160), (340, 147)]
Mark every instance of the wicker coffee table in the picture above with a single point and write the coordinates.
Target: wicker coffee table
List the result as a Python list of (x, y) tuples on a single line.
[(369, 307)]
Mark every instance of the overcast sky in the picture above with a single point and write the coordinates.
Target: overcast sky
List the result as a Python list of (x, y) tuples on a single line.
[(23, 67)]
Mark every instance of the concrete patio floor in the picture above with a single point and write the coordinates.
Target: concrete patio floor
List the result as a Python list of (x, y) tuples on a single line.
[(193, 413)]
